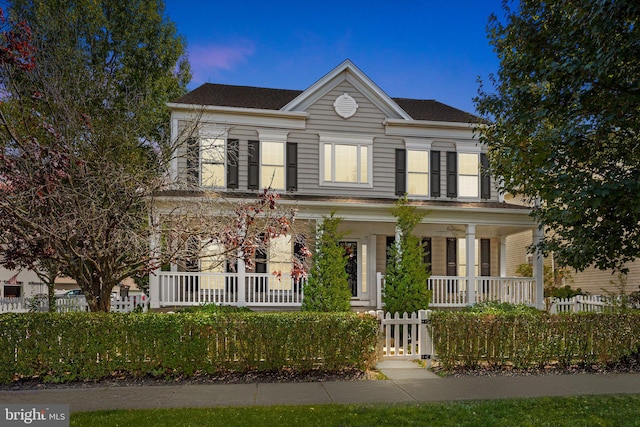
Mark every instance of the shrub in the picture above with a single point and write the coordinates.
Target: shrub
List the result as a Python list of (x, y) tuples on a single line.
[(60, 347), (405, 287), (533, 340), (328, 286), (497, 307)]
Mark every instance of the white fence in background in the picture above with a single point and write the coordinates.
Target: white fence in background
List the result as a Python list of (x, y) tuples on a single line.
[(589, 303), (72, 303), (405, 336)]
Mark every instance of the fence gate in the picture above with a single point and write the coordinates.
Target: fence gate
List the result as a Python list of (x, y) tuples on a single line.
[(406, 336)]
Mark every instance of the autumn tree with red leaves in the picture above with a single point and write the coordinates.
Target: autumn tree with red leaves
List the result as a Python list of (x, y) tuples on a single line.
[(84, 150)]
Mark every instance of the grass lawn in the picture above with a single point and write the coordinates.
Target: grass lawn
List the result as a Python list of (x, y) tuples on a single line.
[(549, 411)]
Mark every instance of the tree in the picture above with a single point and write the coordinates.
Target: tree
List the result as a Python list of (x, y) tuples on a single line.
[(328, 288), (81, 144), (405, 282), (565, 123)]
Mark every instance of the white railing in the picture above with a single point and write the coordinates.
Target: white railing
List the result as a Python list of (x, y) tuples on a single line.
[(451, 291), (251, 289), (590, 303), (72, 304), (448, 291), (406, 336), (514, 290)]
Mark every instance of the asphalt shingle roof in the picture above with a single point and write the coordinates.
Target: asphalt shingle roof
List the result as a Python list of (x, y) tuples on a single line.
[(275, 99)]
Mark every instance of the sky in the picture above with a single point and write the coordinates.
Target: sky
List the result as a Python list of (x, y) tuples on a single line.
[(429, 49)]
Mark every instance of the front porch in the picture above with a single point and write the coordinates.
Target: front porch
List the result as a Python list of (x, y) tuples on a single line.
[(269, 291)]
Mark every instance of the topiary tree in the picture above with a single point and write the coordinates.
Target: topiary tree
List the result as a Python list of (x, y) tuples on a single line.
[(327, 288), (405, 288)]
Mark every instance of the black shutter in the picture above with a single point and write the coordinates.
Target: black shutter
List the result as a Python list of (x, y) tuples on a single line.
[(401, 171), (485, 178), (292, 166), (452, 174), (452, 256), (254, 165), (426, 245), (233, 159), (485, 257), (193, 162), (435, 174)]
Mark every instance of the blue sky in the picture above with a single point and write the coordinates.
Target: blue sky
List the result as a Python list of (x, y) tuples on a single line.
[(411, 49)]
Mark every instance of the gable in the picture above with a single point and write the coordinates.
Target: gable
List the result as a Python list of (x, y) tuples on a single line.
[(347, 72)]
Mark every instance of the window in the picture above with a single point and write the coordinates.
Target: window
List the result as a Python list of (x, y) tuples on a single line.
[(212, 158), (468, 175), (280, 260), (345, 160), (266, 166), (272, 165), (418, 172), (462, 257), (12, 291)]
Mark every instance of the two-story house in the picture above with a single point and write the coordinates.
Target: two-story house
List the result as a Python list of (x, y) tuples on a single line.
[(344, 146)]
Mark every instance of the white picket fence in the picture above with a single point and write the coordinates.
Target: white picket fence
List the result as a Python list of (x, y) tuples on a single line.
[(405, 336), (579, 303), (72, 303)]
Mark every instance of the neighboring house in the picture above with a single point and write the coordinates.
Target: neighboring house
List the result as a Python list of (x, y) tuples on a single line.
[(344, 145)]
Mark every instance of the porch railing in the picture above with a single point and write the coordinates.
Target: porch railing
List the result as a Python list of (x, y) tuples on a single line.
[(451, 291), (251, 289)]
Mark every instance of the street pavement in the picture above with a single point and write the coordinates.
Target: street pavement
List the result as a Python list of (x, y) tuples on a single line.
[(406, 382)]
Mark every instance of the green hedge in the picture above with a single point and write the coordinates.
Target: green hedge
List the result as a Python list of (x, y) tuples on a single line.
[(523, 340), (58, 347)]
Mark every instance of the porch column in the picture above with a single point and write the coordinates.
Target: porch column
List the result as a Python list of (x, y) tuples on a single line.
[(503, 256), (538, 269), (241, 274), (154, 279), (471, 264)]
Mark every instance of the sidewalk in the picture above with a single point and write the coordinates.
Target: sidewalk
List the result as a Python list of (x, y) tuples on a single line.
[(407, 383)]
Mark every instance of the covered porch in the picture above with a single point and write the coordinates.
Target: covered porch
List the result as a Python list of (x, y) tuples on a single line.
[(466, 252), (176, 289)]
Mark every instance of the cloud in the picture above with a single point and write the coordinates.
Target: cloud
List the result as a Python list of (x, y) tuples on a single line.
[(208, 60)]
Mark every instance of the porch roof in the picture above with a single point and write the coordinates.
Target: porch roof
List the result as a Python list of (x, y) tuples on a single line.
[(353, 201)]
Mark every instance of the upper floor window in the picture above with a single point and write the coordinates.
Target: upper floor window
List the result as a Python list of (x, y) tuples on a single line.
[(212, 162), (468, 174), (346, 160), (272, 165), (417, 172)]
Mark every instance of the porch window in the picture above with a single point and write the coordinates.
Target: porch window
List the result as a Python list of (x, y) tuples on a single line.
[(280, 258), (462, 257), (468, 174), (345, 160)]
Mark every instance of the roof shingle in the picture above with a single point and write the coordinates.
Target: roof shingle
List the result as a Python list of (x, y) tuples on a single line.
[(274, 99)]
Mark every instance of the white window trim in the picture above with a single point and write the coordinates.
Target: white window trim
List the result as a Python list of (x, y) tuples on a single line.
[(419, 145), (342, 139), (277, 136), (213, 132), (465, 148)]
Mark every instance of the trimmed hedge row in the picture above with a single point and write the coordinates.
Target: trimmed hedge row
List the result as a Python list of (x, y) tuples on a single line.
[(472, 340), (59, 347)]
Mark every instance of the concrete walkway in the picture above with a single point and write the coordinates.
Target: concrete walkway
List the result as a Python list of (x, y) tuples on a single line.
[(407, 383)]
